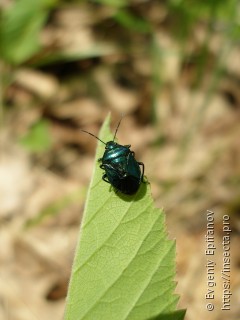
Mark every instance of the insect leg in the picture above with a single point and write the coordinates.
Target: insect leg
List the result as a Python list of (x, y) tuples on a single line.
[(142, 164), (117, 170), (104, 177)]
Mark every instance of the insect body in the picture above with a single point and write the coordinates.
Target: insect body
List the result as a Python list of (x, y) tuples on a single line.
[(121, 168)]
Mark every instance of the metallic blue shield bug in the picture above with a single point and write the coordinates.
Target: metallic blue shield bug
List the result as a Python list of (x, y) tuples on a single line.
[(121, 168)]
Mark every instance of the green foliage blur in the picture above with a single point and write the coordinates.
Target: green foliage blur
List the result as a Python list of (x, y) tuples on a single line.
[(23, 21)]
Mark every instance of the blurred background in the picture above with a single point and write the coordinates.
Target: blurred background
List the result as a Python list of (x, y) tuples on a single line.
[(173, 69)]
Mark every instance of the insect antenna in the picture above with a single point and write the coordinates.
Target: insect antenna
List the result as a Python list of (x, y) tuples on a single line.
[(93, 136), (118, 127)]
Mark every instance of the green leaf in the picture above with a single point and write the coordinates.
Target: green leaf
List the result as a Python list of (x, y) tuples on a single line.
[(132, 22), (20, 27), (124, 264), (38, 137), (175, 315), (113, 3)]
